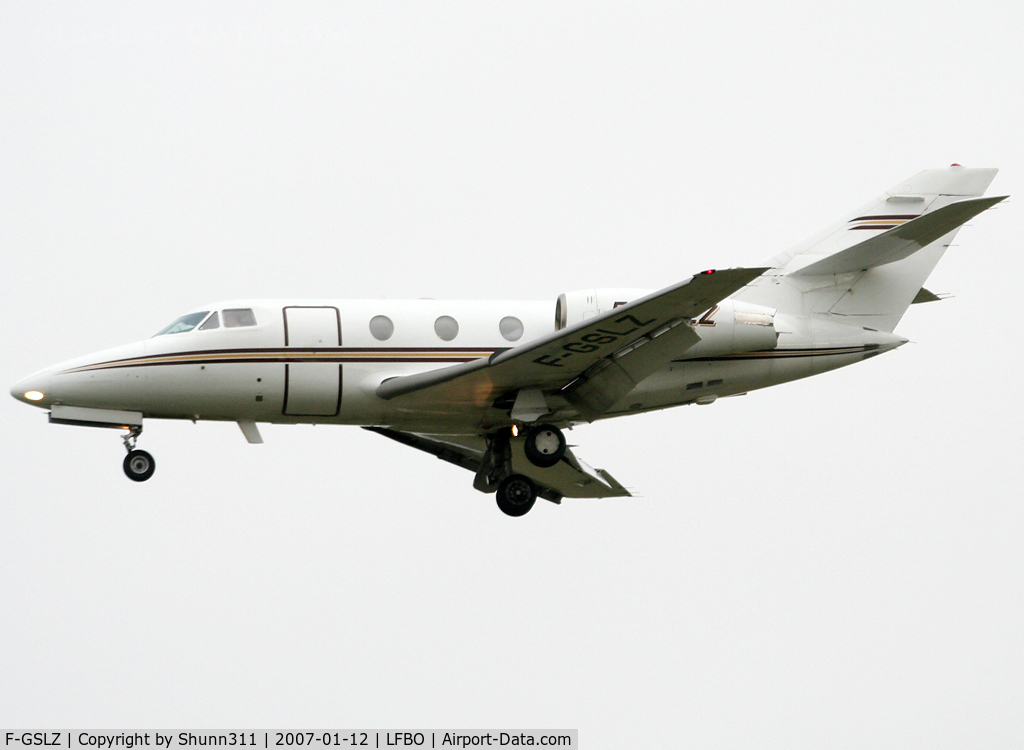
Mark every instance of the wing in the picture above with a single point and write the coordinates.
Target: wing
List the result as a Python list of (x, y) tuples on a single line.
[(593, 363), (570, 477)]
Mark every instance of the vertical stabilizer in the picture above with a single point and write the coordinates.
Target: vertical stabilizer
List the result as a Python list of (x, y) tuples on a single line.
[(867, 268)]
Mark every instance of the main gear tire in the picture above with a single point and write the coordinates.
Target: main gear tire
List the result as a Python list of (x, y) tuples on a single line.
[(516, 495), (545, 445)]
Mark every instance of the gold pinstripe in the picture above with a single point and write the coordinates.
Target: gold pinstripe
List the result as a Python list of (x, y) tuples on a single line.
[(879, 222), (291, 355)]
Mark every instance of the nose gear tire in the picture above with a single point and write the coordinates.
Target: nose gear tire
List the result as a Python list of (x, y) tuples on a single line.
[(139, 465)]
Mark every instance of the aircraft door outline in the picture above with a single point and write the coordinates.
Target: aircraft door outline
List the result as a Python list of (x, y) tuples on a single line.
[(311, 388)]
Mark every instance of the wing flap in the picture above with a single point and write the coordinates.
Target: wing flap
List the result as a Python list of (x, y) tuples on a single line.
[(603, 384), (902, 241), (570, 477), (467, 452)]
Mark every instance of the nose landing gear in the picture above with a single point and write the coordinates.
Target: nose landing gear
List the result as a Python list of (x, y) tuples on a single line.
[(138, 464)]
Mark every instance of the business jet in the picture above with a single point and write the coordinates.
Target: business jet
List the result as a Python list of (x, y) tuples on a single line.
[(492, 386)]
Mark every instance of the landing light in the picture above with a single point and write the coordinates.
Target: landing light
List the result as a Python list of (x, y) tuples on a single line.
[(34, 395), (515, 428)]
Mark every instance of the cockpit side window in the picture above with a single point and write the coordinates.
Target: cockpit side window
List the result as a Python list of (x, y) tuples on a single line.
[(184, 323), (212, 322), (239, 317)]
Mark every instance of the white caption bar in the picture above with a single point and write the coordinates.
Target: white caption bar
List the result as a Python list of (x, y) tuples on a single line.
[(286, 739)]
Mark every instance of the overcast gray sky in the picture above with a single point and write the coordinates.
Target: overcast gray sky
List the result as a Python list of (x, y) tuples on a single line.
[(830, 563)]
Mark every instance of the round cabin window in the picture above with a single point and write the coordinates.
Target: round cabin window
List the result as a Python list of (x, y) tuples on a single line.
[(446, 328), (381, 327), (511, 328)]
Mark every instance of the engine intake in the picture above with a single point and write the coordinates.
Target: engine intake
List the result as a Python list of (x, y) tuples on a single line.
[(575, 307)]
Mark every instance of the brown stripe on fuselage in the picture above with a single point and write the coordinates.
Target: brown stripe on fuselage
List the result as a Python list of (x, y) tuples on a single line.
[(292, 354), (411, 355)]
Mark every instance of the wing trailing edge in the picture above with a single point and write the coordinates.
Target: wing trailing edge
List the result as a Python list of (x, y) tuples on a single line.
[(570, 477)]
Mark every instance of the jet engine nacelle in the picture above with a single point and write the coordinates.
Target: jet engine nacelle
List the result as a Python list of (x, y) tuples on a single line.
[(734, 326), (730, 326), (575, 307)]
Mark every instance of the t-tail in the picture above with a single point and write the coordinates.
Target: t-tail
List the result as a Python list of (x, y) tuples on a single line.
[(867, 269)]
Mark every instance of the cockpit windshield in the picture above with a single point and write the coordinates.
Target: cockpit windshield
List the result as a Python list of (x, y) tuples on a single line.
[(238, 317), (184, 323)]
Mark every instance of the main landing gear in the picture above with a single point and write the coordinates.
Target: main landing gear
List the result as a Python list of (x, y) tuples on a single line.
[(544, 446), (516, 495), (138, 464)]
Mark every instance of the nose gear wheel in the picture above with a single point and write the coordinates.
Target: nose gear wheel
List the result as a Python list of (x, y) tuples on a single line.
[(139, 465)]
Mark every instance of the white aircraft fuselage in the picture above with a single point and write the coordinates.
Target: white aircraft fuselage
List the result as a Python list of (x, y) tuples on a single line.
[(263, 373)]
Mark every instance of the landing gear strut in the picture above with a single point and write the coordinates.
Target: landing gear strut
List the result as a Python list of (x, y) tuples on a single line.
[(516, 495), (138, 464), (544, 445)]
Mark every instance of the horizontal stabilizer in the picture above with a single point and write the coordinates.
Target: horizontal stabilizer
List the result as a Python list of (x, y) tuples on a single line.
[(902, 241)]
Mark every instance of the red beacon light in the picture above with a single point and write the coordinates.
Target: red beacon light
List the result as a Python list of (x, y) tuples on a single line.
[(954, 164), (708, 273)]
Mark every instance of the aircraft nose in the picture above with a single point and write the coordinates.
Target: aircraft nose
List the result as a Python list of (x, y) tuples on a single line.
[(34, 390)]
